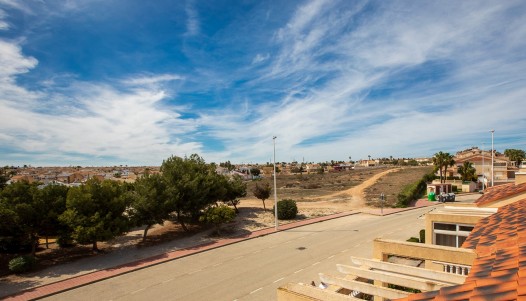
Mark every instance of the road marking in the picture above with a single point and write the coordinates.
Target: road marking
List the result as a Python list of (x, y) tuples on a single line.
[(357, 245), (302, 237), (134, 292), (217, 264), (330, 257), (316, 263), (171, 279), (343, 251), (278, 279), (256, 290), (298, 271)]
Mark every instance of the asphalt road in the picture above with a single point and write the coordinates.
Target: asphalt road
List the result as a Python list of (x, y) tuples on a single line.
[(254, 269)]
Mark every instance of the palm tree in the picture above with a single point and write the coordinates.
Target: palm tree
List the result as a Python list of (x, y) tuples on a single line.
[(448, 162), (438, 161), (467, 171), (442, 161)]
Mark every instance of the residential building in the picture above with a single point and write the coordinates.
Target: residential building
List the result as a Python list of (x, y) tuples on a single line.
[(503, 169)]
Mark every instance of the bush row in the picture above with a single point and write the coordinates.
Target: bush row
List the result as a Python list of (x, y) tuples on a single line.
[(414, 191)]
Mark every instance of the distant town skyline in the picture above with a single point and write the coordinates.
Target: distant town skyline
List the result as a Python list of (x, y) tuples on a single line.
[(104, 83)]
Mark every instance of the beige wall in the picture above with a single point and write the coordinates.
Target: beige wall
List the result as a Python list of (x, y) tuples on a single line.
[(440, 217), (520, 177)]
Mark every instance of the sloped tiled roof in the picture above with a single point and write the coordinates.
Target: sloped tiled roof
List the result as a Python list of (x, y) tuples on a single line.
[(499, 273), (501, 191)]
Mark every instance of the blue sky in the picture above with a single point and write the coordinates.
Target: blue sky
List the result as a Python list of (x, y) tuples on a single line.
[(102, 82)]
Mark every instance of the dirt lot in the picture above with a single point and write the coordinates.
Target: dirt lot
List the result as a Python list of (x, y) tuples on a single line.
[(316, 195)]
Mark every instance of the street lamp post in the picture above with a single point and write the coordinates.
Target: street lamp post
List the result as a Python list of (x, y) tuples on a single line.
[(275, 191), (492, 152), (483, 171)]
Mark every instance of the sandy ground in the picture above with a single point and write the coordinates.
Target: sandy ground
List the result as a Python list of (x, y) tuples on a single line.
[(252, 216)]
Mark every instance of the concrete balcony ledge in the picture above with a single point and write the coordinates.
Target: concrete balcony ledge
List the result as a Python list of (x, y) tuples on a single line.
[(385, 247)]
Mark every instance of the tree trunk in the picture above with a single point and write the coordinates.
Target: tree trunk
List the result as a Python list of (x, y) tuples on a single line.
[(145, 232), (179, 218), (47, 242), (264, 208), (95, 247), (34, 244), (235, 207)]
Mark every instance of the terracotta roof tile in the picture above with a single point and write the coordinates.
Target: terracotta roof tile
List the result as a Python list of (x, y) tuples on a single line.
[(496, 193)]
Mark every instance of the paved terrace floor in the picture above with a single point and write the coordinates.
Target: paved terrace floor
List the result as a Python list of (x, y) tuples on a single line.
[(37, 292)]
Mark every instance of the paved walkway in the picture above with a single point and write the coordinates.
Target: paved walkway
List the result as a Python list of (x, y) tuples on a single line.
[(85, 279)]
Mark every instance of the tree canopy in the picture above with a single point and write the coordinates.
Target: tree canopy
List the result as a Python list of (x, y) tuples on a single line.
[(517, 155), (95, 211), (467, 171), (262, 192), (149, 202), (190, 186), (442, 161)]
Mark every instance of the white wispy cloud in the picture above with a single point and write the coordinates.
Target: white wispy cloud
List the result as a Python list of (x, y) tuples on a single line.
[(3, 24), (260, 58), (130, 126), (91, 119), (12, 60), (192, 21), (153, 79), (328, 120)]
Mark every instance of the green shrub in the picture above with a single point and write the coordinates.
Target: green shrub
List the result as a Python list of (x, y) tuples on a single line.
[(287, 209), (22, 263), (413, 191), (218, 215), (413, 239), (423, 236)]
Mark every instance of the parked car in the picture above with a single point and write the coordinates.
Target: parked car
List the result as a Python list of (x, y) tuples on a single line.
[(446, 197)]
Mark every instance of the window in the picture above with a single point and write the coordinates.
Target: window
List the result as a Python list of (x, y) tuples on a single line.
[(451, 235)]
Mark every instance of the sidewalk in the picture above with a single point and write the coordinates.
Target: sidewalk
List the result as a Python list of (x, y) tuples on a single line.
[(85, 279)]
